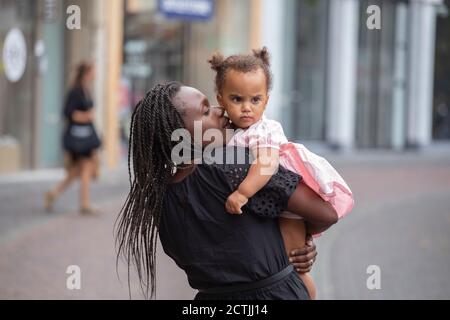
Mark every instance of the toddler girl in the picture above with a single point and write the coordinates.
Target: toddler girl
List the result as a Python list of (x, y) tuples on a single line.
[(243, 83)]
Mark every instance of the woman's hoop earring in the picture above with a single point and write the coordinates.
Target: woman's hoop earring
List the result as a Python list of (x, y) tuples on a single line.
[(174, 168)]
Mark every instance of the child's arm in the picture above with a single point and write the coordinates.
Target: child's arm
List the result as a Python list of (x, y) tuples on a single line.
[(262, 169)]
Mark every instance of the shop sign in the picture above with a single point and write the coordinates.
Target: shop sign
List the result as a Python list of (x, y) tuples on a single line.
[(14, 55), (187, 9)]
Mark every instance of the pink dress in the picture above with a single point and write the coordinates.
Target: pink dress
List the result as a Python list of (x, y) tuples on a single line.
[(316, 172)]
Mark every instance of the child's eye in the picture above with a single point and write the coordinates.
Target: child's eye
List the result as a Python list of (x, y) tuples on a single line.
[(256, 100), (236, 99)]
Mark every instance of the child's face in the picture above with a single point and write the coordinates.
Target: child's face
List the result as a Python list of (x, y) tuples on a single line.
[(244, 96)]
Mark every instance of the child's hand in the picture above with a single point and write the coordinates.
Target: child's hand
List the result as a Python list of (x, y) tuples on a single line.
[(235, 202)]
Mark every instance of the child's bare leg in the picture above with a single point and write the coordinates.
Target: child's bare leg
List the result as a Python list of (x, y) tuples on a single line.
[(294, 236), (51, 195), (309, 283), (318, 214)]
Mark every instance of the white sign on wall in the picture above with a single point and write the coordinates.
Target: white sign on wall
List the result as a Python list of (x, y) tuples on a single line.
[(14, 55)]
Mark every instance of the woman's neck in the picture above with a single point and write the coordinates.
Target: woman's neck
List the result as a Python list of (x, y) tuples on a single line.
[(182, 173)]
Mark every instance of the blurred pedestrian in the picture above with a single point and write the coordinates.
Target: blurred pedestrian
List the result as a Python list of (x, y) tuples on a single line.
[(80, 140)]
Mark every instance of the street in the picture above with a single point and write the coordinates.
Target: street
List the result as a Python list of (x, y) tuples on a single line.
[(36, 247), (401, 223)]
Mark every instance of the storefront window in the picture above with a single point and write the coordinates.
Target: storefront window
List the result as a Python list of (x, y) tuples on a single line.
[(153, 52), (441, 107), (381, 82), (153, 47), (17, 112), (309, 64)]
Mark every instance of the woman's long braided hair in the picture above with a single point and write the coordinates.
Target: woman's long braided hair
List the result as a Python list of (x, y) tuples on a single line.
[(152, 123)]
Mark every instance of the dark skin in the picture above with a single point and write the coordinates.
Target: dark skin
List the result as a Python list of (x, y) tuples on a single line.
[(194, 106)]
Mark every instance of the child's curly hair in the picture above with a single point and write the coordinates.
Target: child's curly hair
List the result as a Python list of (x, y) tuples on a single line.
[(243, 63)]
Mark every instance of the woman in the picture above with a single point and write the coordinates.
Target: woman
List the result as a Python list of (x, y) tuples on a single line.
[(80, 140), (224, 256)]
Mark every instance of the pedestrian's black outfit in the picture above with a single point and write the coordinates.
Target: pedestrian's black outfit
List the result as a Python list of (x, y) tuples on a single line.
[(80, 139), (227, 256)]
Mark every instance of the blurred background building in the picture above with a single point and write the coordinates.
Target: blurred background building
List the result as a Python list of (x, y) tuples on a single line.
[(337, 83), (31, 105)]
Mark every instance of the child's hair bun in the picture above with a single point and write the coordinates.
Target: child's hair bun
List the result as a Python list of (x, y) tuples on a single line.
[(263, 54), (216, 61)]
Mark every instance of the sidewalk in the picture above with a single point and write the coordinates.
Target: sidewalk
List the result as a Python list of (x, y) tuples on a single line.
[(401, 223), (37, 247), (22, 197)]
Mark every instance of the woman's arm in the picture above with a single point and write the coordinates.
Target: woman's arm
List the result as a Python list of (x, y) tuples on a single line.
[(82, 116), (75, 106), (318, 214), (261, 171)]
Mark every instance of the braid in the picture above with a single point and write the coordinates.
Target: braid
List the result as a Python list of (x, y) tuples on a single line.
[(149, 167)]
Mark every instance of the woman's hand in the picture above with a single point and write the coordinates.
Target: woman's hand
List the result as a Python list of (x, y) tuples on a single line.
[(304, 258), (235, 202)]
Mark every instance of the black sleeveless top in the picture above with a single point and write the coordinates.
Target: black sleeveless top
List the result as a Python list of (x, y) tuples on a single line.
[(216, 248)]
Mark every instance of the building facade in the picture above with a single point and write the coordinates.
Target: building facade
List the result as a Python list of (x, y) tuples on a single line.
[(336, 81), (40, 54), (157, 48), (341, 83)]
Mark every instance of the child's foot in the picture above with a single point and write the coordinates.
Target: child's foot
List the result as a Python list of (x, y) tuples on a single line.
[(49, 199)]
